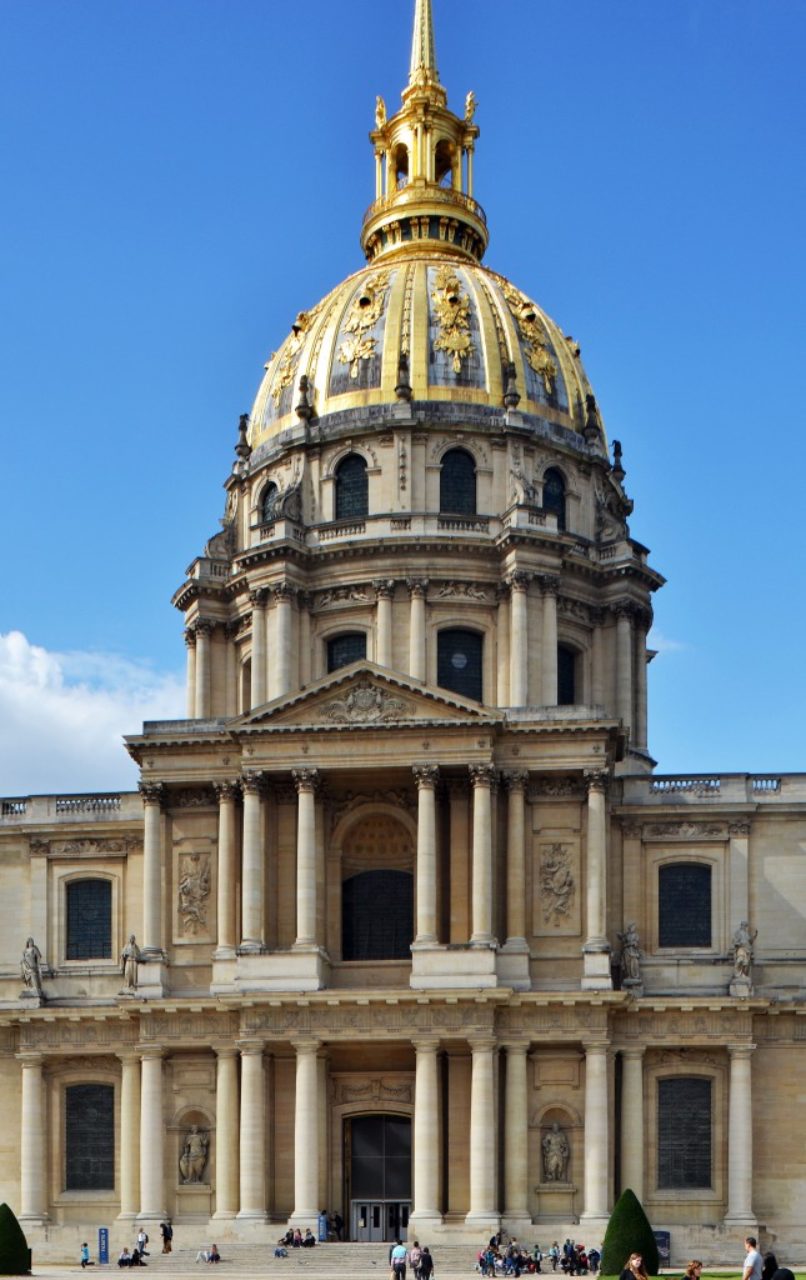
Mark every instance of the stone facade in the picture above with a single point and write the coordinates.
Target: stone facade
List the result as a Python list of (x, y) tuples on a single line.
[(434, 880)]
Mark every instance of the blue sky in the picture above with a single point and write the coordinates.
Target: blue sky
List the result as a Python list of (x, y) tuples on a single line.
[(180, 178)]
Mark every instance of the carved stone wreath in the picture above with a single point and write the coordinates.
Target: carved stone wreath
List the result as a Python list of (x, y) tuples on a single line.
[(364, 704)]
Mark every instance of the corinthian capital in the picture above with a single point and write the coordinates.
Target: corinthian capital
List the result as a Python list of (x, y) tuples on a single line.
[(152, 792), (306, 780), (425, 775)]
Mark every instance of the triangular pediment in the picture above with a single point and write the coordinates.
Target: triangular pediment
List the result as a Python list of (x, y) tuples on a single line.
[(362, 695)]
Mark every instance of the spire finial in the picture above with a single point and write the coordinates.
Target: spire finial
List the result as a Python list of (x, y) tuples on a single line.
[(423, 47)]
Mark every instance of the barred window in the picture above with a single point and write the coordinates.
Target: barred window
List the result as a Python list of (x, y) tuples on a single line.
[(684, 905), (554, 496), (268, 502), (89, 920), (347, 648), (352, 488), (459, 662), (566, 676), (90, 1137), (684, 1133), (457, 483), (377, 915)]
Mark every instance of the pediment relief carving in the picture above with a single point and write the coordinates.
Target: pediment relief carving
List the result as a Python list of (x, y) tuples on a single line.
[(366, 703)]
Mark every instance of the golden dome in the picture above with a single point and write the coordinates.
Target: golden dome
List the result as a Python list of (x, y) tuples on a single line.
[(421, 326), (424, 321)]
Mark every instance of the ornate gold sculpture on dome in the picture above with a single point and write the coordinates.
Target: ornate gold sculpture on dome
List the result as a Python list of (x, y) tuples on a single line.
[(365, 311), (452, 310)]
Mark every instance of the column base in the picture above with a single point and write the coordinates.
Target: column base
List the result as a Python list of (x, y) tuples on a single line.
[(747, 1221), (594, 1223), (34, 1219), (513, 965), (517, 1224), (152, 1215), (596, 970), (306, 1218), (422, 1223), (252, 1215), (224, 1215), (251, 947), (456, 966), (305, 969), (481, 1221), (126, 1217), (152, 981)]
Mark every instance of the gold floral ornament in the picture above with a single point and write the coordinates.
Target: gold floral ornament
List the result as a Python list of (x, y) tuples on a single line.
[(533, 336), (452, 308), (365, 311), (288, 364)]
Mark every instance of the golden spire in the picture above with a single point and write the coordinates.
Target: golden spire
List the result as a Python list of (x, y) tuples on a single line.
[(423, 46), (424, 165)]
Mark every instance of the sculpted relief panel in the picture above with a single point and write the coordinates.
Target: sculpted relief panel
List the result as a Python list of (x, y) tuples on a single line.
[(556, 890)]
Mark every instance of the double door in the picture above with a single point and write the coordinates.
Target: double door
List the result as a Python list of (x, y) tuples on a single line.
[(379, 1219)]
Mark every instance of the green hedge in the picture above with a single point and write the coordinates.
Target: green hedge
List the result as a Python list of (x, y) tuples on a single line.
[(15, 1256), (628, 1231)]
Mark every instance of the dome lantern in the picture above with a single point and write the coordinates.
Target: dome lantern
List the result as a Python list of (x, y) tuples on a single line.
[(424, 165)]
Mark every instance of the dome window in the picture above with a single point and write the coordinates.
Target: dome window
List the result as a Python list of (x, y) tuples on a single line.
[(268, 503), (459, 662), (443, 164), (352, 489), (349, 647), (554, 496), (457, 484), (401, 158)]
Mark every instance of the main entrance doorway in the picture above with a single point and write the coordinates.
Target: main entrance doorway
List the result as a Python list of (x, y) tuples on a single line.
[(378, 1167)]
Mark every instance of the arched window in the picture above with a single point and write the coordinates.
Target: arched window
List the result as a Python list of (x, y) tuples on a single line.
[(401, 165), (268, 502), (352, 489), (89, 1137), (346, 648), (459, 662), (684, 905), (89, 920), (457, 483), (246, 685), (377, 915), (566, 675), (443, 163), (684, 1133), (554, 496)]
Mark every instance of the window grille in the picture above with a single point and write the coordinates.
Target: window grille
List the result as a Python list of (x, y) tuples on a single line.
[(269, 502), (459, 662), (566, 676), (89, 920), (554, 496), (342, 650), (90, 1137), (457, 484), (352, 489), (684, 1133), (684, 905), (377, 915)]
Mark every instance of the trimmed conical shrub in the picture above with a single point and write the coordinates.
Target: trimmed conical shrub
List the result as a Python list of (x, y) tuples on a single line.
[(628, 1231), (15, 1256)]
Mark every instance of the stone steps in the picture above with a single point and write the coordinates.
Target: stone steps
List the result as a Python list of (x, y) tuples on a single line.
[(358, 1261)]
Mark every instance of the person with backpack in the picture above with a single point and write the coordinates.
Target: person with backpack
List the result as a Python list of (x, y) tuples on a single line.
[(415, 1254)]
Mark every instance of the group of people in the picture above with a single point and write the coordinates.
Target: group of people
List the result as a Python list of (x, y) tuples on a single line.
[(126, 1259), (513, 1259), (755, 1267), (294, 1240), (419, 1259)]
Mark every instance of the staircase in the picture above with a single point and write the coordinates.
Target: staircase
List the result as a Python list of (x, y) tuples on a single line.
[(356, 1261)]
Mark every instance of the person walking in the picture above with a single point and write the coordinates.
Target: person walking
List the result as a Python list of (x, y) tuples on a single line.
[(753, 1262), (426, 1263), (634, 1268), (398, 1259), (85, 1256), (167, 1232), (142, 1241)]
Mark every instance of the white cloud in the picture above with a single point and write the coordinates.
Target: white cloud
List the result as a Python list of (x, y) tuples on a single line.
[(62, 716), (664, 644)]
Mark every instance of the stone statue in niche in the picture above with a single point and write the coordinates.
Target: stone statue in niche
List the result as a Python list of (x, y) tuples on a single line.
[(630, 958), (193, 1160), (129, 960), (194, 890), (742, 957), (556, 1152), (556, 882), (31, 971)]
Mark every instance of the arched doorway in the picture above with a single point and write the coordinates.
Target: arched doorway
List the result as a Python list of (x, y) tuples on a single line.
[(378, 1175)]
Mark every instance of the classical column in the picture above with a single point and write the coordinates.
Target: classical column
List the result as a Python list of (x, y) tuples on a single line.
[(306, 1134), (384, 589), (283, 598), (597, 1153), (426, 777), (204, 630), (483, 1162), (152, 1130), (426, 1135), (624, 664), (226, 1132), (252, 1131), (417, 589), (227, 793), (596, 865), (459, 860), (33, 1145), (632, 1121), (550, 587), (304, 613), (740, 1136), (516, 1134), (598, 695), (515, 781), (258, 692), (231, 669), (190, 641), (519, 640), (129, 1134), (252, 878), (482, 777), (642, 623), (306, 781), (151, 944), (503, 646)]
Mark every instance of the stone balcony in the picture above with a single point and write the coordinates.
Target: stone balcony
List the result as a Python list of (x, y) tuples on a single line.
[(123, 806), (715, 789)]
